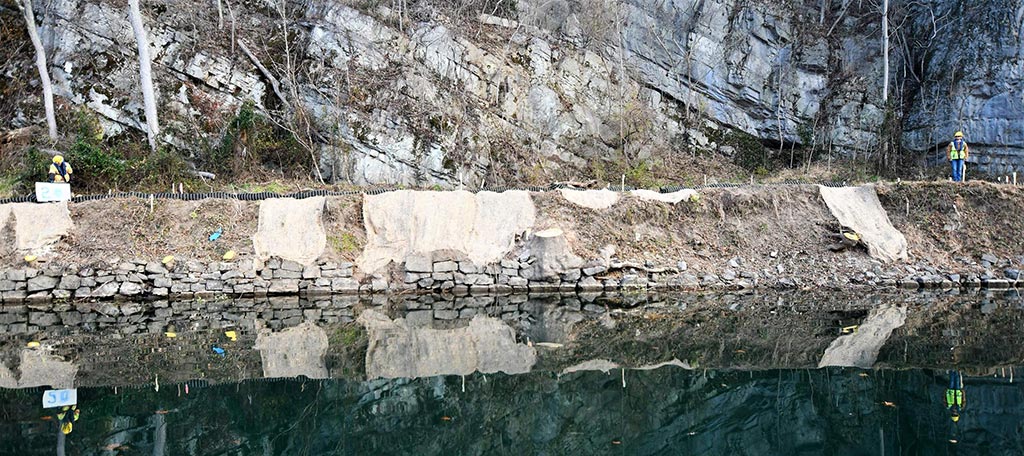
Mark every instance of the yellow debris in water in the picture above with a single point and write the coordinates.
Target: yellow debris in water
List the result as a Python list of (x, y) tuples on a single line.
[(32, 344), (231, 335), (230, 255), (850, 329), (30, 258), (852, 236), (167, 259), (171, 335)]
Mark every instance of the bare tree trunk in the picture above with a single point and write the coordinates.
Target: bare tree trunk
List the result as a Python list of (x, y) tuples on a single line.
[(44, 74), (885, 52), (145, 72), (274, 84)]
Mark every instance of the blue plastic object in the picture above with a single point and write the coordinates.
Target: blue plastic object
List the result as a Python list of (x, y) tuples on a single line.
[(216, 234), (218, 350)]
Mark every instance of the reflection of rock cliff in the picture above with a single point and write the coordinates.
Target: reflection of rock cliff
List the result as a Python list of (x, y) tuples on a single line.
[(664, 411), (399, 350)]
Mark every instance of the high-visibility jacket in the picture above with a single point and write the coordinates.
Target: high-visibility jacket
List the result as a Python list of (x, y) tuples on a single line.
[(955, 397), (957, 151), (60, 173)]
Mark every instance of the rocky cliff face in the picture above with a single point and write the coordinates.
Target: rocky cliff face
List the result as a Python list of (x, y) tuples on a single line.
[(491, 92), (966, 72)]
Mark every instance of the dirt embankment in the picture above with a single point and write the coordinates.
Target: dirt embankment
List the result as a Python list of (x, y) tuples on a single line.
[(113, 230), (787, 231), (762, 234), (952, 225)]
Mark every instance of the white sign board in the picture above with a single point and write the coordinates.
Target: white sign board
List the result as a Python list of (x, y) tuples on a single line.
[(60, 398), (46, 192)]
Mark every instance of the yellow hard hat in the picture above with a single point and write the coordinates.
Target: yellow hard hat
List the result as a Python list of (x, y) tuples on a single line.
[(58, 159), (66, 428), (956, 418), (958, 134)]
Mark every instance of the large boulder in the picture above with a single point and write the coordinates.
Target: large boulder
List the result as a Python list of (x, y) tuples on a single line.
[(551, 255), (292, 229), (34, 225), (408, 225)]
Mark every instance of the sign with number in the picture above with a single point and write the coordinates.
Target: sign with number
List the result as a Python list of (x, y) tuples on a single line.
[(46, 192), (60, 398)]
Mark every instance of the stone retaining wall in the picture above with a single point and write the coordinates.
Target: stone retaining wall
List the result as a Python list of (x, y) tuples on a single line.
[(249, 278)]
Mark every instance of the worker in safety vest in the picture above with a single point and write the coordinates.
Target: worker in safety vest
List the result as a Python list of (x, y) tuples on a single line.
[(60, 170), (957, 152), (955, 399), (66, 417)]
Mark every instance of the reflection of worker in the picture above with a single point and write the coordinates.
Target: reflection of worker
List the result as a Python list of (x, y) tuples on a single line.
[(66, 416), (955, 399), (60, 170), (957, 152)]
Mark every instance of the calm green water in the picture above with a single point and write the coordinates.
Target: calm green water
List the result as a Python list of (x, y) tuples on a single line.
[(665, 411)]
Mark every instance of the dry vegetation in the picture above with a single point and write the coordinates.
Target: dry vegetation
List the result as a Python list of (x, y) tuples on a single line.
[(125, 229), (745, 222), (945, 222)]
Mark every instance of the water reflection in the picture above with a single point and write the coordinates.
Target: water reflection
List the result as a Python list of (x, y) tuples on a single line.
[(397, 348), (663, 411), (104, 344), (293, 352)]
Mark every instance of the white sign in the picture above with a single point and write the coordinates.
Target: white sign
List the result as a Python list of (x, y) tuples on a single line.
[(46, 192), (60, 398)]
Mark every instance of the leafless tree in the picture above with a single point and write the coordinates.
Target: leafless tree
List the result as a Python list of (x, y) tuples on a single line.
[(44, 74), (885, 52), (145, 72)]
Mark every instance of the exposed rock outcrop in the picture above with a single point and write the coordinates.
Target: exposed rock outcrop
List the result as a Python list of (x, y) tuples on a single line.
[(292, 229), (482, 227), (452, 98), (858, 208)]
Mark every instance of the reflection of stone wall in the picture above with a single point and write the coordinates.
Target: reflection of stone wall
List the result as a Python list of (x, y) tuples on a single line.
[(124, 343)]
